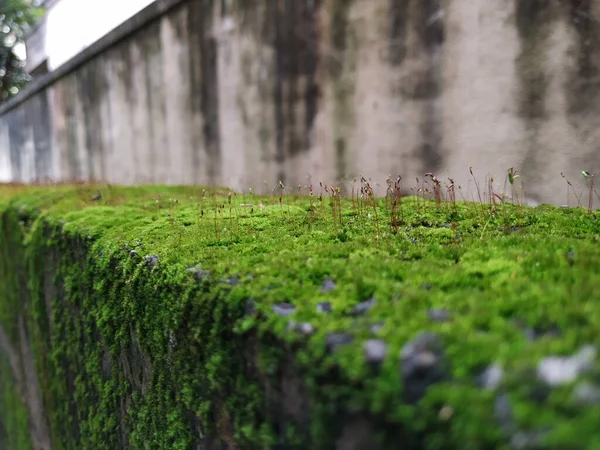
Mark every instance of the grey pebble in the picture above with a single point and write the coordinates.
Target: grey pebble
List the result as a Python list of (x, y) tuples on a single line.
[(151, 261), (249, 307), (439, 315), (363, 307), (336, 340), (503, 413), (527, 440), (492, 377), (375, 350), (519, 440), (376, 327), (557, 370), (328, 285), (324, 307), (422, 364), (533, 334), (199, 274), (586, 393), (301, 327), (283, 309), (233, 281)]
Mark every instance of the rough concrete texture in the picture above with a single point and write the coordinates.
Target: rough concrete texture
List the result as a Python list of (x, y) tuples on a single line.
[(237, 93)]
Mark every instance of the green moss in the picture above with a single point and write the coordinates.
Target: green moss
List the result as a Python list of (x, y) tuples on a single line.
[(138, 351), (14, 430)]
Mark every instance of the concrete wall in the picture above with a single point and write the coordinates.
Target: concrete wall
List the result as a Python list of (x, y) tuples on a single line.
[(236, 92)]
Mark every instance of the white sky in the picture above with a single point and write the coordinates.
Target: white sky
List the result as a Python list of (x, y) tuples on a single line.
[(73, 25), (19, 50)]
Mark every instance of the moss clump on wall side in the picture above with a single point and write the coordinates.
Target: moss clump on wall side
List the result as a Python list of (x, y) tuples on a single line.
[(180, 317)]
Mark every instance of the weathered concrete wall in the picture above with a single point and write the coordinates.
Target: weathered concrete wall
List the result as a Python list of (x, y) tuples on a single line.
[(236, 93)]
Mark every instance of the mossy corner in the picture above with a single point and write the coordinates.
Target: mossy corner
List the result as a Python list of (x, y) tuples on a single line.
[(180, 317)]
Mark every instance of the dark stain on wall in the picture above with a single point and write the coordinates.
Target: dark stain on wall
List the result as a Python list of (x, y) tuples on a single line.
[(341, 62), (123, 63), (177, 20), (204, 81), (69, 93), (424, 21), (124, 72), (38, 115), (91, 87), (427, 17), (532, 18), (430, 152), (398, 23), (15, 121), (155, 87), (339, 26), (295, 41), (583, 87)]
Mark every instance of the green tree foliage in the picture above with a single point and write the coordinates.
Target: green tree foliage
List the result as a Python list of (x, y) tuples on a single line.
[(16, 18)]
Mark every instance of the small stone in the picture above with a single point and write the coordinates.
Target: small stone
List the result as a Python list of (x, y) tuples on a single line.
[(363, 307), (328, 285), (133, 253), (151, 261), (376, 327), (492, 377), (438, 315), (503, 413), (533, 334), (446, 412), (324, 307), (199, 274), (585, 393), (283, 309), (552, 331), (304, 328), (530, 334), (375, 351), (96, 197), (557, 370), (249, 307), (422, 364), (233, 281), (526, 441), (336, 340)]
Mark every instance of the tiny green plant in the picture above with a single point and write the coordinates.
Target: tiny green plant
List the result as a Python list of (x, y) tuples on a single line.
[(590, 179), (451, 193), (437, 189), (476, 186), (570, 185), (512, 177), (397, 203)]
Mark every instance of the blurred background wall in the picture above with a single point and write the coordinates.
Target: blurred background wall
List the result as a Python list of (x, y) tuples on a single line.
[(240, 93)]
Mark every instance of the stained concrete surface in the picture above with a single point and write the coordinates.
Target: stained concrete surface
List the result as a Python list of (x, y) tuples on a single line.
[(241, 93)]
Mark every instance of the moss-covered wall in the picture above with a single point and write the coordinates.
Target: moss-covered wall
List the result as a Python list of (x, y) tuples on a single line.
[(189, 318)]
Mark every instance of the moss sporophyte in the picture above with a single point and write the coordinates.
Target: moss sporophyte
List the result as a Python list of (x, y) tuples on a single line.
[(192, 317)]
